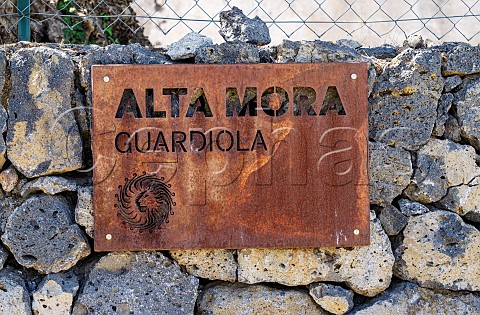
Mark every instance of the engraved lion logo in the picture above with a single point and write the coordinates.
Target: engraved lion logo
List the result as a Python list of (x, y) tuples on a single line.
[(144, 202)]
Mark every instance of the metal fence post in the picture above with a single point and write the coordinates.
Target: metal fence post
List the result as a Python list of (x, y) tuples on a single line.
[(23, 20)]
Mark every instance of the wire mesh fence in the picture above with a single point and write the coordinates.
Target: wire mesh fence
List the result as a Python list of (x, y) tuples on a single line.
[(160, 22)]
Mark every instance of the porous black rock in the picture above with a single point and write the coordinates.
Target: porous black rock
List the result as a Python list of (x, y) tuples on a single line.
[(236, 26), (42, 235)]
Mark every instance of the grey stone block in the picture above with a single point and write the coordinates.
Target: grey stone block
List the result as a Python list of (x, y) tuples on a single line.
[(441, 164), (409, 208), (452, 82), (468, 111), (390, 172), (464, 200), (241, 299), (231, 52), (393, 221), (439, 251), (236, 26), (84, 209), (138, 283), (316, 51), (444, 105), (350, 43), (42, 136), (381, 52), (332, 298), (407, 298), (463, 59), (403, 105), (55, 294), (14, 297), (42, 235), (187, 46), (50, 185), (414, 41)]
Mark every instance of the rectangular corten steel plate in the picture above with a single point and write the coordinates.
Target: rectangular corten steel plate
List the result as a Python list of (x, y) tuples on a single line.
[(230, 156)]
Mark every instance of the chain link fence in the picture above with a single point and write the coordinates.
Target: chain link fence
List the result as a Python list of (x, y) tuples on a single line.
[(159, 22)]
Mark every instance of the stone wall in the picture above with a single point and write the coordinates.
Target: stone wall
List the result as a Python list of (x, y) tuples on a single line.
[(425, 193)]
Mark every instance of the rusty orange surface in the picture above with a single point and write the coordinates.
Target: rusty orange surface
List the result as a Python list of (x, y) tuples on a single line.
[(230, 156)]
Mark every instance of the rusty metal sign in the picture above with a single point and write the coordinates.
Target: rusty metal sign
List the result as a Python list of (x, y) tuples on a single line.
[(230, 156)]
